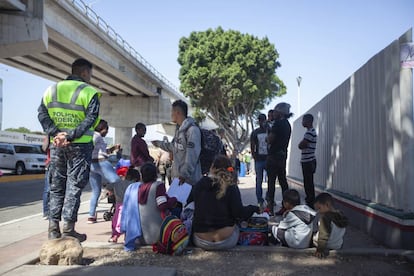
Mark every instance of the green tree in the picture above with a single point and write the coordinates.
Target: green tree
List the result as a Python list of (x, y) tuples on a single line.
[(20, 130), (24, 130), (231, 76)]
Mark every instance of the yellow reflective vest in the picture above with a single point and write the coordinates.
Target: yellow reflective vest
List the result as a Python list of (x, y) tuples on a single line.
[(67, 102)]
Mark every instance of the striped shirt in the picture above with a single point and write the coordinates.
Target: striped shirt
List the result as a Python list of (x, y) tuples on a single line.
[(308, 153)]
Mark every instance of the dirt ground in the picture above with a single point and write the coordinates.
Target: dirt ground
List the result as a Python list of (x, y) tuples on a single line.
[(248, 262)]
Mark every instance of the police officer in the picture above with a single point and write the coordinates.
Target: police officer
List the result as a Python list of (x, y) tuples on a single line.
[(69, 113)]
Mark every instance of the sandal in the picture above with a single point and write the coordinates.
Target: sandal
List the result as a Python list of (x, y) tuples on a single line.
[(113, 239)]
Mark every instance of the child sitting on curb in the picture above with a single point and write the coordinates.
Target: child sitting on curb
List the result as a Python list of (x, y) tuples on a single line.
[(331, 226), (295, 229)]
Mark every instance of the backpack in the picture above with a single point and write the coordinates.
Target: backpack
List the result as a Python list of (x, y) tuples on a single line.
[(211, 146), (254, 231), (173, 237)]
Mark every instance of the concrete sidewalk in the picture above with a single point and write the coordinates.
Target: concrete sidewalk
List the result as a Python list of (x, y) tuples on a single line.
[(21, 240)]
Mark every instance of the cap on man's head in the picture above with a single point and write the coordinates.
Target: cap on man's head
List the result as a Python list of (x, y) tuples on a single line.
[(283, 108)]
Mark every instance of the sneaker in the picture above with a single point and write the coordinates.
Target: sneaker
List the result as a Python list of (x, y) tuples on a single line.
[(113, 239), (91, 220)]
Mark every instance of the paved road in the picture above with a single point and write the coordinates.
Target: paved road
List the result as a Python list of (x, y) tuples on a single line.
[(21, 196)]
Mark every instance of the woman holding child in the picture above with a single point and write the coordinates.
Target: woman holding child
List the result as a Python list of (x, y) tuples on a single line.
[(217, 207)]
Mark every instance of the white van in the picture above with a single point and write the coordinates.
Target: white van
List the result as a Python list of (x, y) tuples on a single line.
[(22, 158)]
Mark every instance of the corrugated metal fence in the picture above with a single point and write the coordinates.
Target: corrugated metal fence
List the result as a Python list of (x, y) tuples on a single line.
[(366, 134)]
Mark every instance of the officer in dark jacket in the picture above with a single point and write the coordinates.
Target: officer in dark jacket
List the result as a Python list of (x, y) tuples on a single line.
[(68, 113)]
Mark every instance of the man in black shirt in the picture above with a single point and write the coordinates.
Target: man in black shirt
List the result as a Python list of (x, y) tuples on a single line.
[(278, 140)]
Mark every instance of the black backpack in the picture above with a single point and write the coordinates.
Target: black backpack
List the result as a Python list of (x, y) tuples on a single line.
[(211, 146)]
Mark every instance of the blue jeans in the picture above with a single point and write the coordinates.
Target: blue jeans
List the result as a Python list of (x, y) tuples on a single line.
[(102, 170), (45, 197), (260, 166)]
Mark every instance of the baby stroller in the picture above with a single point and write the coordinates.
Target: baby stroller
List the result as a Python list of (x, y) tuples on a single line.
[(107, 216)]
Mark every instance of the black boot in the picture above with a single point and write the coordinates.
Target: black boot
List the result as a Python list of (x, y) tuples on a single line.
[(69, 230), (54, 231)]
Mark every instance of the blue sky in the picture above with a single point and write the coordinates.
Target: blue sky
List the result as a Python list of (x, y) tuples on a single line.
[(323, 41)]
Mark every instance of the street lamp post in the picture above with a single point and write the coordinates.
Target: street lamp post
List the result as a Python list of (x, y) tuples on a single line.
[(299, 80)]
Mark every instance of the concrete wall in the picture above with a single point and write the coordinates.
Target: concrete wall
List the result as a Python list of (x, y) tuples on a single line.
[(365, 149)]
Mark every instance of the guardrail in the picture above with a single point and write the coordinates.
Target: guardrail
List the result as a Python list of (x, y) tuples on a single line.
[(94, 18)]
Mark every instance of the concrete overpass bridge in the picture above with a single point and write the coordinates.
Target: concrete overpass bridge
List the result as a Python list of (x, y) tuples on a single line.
[(44, 37)]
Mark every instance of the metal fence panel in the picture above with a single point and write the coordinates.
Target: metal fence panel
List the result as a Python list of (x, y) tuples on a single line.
[(365, 134)]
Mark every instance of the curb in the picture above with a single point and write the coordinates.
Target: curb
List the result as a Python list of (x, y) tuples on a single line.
[(15, 178), (76, 270), (27, 264)]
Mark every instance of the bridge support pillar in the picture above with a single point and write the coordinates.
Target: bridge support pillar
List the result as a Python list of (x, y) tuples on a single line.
[(123, 136)]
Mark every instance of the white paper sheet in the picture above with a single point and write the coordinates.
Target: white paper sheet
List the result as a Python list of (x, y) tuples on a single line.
[(181, 192)]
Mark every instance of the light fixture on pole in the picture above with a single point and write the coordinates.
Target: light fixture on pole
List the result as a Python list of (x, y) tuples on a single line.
[(299, 80)]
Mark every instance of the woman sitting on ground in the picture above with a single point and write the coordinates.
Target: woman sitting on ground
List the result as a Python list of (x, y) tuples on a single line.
[(217, 207), (141, 219)]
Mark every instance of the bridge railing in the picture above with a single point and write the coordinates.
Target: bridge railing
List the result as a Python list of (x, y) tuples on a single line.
[(94, 18)]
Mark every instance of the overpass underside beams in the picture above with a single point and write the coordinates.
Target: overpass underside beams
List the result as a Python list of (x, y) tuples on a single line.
[(47, 36), (123, 111)]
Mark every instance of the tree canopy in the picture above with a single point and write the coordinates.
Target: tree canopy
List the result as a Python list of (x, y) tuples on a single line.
[(24, 130), (20, 129), (231, 76)]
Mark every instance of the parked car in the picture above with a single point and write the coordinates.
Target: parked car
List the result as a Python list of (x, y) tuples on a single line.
[(22, 158)]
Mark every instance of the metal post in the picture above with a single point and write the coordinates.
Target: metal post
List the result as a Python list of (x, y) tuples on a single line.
[(299, 80)]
